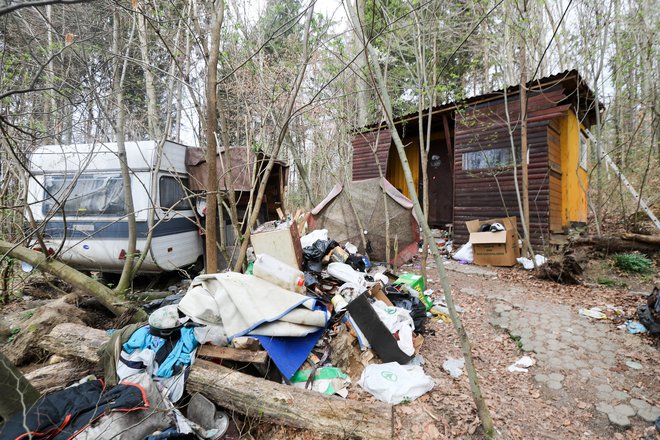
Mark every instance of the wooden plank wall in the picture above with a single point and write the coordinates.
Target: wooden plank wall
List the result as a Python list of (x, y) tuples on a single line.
[(488, 194), (554, 162), (364, 163)]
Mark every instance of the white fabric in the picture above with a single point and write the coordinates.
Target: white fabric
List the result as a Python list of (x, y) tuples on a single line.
[(247, 305)]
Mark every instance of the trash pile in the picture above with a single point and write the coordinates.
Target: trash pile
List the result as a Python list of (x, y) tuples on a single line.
[(335, 320)]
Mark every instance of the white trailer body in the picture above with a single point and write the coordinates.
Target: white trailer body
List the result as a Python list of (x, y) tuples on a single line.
[(91, 225)]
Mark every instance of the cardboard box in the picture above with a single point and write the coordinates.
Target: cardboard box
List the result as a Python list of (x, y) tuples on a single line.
[(494, 248), (414, 281)]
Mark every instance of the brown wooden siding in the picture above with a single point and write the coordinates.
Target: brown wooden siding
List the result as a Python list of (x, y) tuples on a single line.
[(487, 194), (554, 163), (364, 163)]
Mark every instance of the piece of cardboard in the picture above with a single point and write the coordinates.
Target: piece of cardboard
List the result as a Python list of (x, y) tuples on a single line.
[(494, 248), (280, 240), (377, 292)]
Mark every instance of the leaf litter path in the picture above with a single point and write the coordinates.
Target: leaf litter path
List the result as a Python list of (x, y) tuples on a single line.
[(592, 380)]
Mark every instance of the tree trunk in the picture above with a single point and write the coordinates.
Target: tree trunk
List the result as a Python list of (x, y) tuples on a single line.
[(105, 295), (262, 399), (17, 393), (217, 16), (118, 88), (383, 95)]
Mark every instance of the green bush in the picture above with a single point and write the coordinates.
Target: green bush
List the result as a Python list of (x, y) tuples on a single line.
[(634, 263)]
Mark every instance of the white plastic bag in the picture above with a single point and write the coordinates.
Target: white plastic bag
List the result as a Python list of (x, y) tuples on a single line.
[(310, 239), (397, 319), (454, 367), (350, 248), (465, 253), (346, 273), (528, 264), (522, 365), (394, 383)]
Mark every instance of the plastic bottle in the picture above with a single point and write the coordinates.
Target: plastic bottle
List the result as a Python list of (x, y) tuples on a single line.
[(281, 274)]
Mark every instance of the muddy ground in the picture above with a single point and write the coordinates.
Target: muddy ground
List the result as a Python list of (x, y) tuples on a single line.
[(502, 307)]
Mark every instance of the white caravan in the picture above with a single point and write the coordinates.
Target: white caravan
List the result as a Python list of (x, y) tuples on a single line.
[(92, 224)]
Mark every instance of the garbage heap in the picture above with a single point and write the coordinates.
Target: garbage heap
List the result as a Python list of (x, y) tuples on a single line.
[(308, 313)]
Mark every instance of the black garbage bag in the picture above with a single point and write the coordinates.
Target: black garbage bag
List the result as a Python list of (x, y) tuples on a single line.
[(411, 303), (357, 263), (312, 255), (162, 302), (649, 313)]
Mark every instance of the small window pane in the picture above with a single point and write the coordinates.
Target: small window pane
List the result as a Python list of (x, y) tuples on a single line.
[(173, 193), (584, 144), (89, 196), (485, 159)]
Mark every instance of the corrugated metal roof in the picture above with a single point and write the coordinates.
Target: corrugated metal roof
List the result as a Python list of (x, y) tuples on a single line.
[(577, 89)]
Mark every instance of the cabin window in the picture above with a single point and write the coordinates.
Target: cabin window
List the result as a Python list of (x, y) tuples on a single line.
[(87, 196), (173, 193), (486, 159), (584, 150)]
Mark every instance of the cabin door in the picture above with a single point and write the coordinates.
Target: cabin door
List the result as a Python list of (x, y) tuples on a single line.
[(441, 184)]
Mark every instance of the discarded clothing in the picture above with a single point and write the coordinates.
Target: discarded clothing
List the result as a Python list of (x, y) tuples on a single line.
[(166, 360), (66, 413), (109, 352), (247, 305), (171, 355)]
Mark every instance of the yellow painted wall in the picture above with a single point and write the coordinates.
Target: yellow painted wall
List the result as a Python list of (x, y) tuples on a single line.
[(395, 169), (574, 181)]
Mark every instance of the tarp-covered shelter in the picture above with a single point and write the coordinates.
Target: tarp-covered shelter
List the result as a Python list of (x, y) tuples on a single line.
[(337, 214), (470, 163)]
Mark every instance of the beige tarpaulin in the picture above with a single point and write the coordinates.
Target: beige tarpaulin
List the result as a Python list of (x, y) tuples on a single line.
[(336, 215)]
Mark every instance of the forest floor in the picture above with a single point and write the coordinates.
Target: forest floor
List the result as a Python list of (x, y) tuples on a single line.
[(591, 379)]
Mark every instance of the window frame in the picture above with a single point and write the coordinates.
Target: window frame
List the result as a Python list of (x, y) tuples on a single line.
[(183, 183), (49, 203), (583, 150), (490, 166)]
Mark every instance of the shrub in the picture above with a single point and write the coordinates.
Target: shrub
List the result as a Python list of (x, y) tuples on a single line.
[(634, 263)]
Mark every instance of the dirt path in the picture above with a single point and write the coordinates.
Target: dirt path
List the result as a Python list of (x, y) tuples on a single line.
[(591, 379)]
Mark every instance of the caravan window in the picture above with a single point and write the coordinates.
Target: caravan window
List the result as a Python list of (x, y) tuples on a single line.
[(173, 193), (88, 195)]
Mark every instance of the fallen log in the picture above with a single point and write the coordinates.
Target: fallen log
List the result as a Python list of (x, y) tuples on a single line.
[(651, 239), (105, 295), (251, 396), (615, 244), (53, 377)]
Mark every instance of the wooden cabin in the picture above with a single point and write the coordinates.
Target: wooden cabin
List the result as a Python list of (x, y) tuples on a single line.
[(470, 160)]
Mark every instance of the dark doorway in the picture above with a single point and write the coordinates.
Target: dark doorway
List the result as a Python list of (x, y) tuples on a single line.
[(441, 186)]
